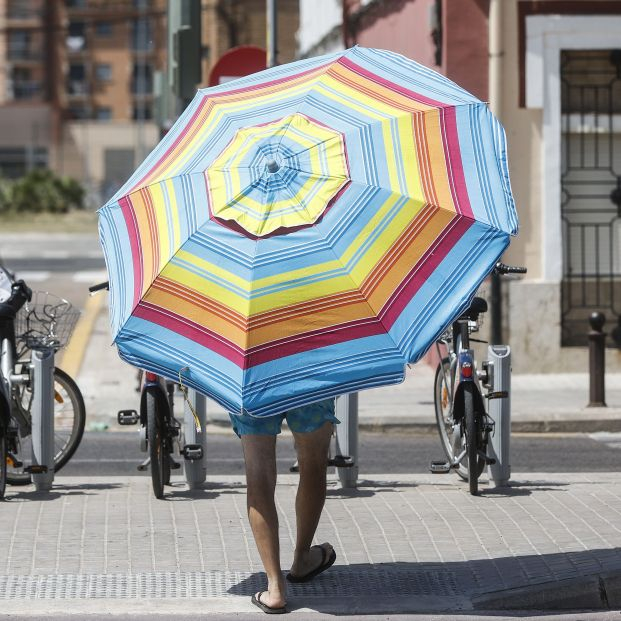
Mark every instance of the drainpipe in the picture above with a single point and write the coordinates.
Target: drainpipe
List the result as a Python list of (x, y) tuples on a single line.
[(495, 66)]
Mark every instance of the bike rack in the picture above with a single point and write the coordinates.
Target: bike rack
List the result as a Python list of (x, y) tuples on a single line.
[(499, 410), (195, 469), (346, 410), (42, 469)]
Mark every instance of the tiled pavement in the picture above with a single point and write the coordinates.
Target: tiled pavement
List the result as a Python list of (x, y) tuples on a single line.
[(404, 544)]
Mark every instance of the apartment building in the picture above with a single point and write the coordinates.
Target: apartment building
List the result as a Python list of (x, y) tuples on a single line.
[(77, 79)]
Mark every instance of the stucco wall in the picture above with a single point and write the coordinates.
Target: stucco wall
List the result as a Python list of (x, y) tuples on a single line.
[(405, 30), (317, 20)]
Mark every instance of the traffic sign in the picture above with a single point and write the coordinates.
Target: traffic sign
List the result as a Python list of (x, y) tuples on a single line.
[(236, 63)]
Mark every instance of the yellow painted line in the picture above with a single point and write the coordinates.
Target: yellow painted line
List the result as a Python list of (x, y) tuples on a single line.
[(72, 357)]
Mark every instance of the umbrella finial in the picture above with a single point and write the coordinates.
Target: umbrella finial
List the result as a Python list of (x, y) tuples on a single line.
[(272, 165)]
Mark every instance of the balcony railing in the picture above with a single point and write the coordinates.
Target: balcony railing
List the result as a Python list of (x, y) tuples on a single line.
[(27, 89), (77, 88), (19, 52), (23, 11)]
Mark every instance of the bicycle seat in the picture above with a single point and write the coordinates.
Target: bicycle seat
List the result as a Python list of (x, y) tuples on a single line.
[(478, 306)]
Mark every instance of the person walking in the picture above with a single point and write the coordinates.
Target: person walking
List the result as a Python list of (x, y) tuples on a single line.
[(312, 427)]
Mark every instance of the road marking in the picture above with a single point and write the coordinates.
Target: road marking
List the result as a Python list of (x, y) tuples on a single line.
[(55, 254), (94, 277), (74, 352), (34, 276), (611, 439)]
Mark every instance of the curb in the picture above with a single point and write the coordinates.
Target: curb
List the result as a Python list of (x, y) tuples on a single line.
[(592, 592), (413, 427)]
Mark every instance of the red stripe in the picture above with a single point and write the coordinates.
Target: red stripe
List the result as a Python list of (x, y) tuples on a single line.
[(172, 147), (421, 272), (373, 77), (190, 330), (455, 169), (134, 242)]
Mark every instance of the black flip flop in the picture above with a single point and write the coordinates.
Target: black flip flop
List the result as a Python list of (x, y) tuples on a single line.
[(326, 562), (265, 608)]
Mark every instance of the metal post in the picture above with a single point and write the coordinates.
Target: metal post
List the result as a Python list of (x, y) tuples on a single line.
[(597, 361), (195, 471), (499, 369), (42, 413), (347, 437), (272, 32)]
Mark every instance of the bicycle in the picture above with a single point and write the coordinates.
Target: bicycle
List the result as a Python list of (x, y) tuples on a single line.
[(30, 324), (461, 415), (160, 430)]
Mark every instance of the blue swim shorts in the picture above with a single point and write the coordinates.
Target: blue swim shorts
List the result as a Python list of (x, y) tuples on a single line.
[(301, 420)]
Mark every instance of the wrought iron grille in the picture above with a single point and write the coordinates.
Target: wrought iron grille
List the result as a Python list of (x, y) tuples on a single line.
[(591, 191)]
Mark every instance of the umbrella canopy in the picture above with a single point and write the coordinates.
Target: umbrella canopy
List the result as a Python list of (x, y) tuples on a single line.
[(307, 231)]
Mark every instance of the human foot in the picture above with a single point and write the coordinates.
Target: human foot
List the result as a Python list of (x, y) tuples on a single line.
[(270, 605), (311, 563)]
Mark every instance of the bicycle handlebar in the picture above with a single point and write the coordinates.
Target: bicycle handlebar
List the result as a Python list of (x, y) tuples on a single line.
[(502, 269), (99, 287)]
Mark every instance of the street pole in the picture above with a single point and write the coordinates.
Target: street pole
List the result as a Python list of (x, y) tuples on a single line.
[(496, 53), (272, 33)]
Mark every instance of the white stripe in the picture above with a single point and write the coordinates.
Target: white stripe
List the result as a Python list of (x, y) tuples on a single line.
[(34, 276), (92, 276)]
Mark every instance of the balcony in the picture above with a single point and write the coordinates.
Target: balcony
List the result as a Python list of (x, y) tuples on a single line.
[(24, 12), (27, 89), (77, 89), (17, 53)]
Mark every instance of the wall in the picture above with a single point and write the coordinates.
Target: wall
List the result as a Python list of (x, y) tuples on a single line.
[(320, 27), (400, 26)]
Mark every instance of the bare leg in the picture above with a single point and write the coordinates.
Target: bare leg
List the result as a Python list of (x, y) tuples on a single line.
[(260, 458), (312, 450)]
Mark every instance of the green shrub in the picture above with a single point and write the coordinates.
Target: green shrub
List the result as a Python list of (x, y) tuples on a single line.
[(39, 191)]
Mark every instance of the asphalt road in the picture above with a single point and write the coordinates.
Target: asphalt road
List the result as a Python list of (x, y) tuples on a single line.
[(117, 453)]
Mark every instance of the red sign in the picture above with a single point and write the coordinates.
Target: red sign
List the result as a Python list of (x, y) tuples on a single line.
[(236, 63)]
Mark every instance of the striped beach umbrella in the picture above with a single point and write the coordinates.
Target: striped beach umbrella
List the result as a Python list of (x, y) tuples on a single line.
[(307, 231)]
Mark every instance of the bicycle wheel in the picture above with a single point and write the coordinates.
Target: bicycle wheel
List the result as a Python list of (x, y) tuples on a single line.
[(451, 433), (157, 440), (474, 436), (3, 458), (69, 421)]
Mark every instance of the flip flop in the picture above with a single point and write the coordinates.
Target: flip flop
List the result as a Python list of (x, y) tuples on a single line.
[(265, 608), (326, 562)]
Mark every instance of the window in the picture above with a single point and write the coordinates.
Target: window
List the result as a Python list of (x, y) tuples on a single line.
[(76, 36), (143, 111), (22, 9), (103, 29), (142, 79), (103, 72), (76, 79), (77, 113), (24, 87), (103, 114), (16, 161), (19, 44), (142, 38)]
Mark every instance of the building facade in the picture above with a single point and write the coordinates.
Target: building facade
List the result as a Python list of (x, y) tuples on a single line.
[(78, 77), (551, 71)]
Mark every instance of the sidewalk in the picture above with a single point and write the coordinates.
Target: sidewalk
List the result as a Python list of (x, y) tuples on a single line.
[(414, 544), (540, 403)]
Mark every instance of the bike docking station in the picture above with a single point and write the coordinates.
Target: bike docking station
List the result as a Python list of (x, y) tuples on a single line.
[(42, 468), (195, 448), (346, 458), (497, 379)]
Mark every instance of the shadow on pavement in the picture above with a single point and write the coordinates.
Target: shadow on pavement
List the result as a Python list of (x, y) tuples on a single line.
[(57, 491), (561, 581)]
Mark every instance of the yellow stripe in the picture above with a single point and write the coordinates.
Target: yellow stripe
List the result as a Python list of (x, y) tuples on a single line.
[(72, 356)]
